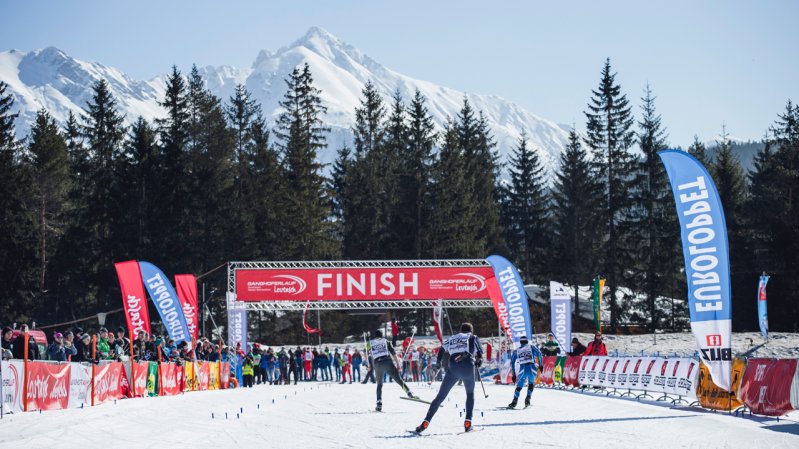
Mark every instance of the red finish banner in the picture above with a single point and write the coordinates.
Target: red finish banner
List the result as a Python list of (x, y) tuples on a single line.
[(548, 370), (186, 286), (224, 374), (110, 382), (133, 297), (500, 308), (347, 284), (571, 371), (48, 386), (170, 379), (766, 386), (139, 387)]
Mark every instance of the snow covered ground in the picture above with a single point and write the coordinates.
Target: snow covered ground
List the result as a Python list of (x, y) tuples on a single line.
[(324, 415)]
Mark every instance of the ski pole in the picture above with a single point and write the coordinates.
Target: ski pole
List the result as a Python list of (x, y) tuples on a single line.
[(481, 381)]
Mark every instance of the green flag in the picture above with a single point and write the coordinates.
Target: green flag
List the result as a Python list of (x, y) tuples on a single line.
[(599, 287)]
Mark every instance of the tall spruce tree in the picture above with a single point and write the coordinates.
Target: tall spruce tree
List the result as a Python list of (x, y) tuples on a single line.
[(653, 222), (528, 206), (49, 172), (699, 151), (610, 135), (264, 193), (141, 177), (576, 194), (301, 134)]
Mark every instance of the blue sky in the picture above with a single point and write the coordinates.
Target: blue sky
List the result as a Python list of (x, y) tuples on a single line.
[(708, 62)]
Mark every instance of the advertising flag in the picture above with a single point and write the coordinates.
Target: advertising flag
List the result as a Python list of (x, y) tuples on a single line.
[(761, 306), (707, 262), (598, 290), (512, 289), (133, 297), (500, 308), (560, 308), (186, 286), (166, 302), (309, 329), (236, 324)]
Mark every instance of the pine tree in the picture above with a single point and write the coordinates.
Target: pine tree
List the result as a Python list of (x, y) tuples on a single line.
[(141, 178), (576, 194), (301, 134), (610, 136), (653, 222), (49, 170), (7, 118), (264, 194), (699, 151), (395, 243), (528, 206), (240, 114), (415, 177)]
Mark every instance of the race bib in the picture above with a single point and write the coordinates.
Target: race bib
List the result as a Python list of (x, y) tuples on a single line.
[(524, 355), (379, 348), (457, 344)]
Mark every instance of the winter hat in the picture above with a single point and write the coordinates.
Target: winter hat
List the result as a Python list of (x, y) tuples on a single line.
[(523, 339), (58, 335)]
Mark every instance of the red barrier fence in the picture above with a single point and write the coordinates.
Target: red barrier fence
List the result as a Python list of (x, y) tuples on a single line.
[(571, 371), (48, 386), (767, 384)]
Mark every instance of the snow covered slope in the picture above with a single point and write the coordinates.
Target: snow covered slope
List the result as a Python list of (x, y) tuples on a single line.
[(329, 416), (49, 78)]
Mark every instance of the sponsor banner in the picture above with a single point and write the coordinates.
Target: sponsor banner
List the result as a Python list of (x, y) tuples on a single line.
[(561, 313), (80, 381), (237, 327), (12, 373), (213, 376), (676, 376), (768, 384), (636, 371), (762, 312), (616, 377), (170, 379), (152, 379), (166, 302), (48, 386), (596, 292), (512, 289), (712, 397), (224, 375), (203, 375), (110, 382), (558, 375), (683, 375), (547, 371), (186, 286), (138, 387), (347, 284), (571, 371), (189, 370), (707, 263), (133, 297), (500, 308)]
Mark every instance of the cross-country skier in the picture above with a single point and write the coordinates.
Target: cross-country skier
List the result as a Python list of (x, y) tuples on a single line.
[(384, 362), (465, 353), (529, 358)]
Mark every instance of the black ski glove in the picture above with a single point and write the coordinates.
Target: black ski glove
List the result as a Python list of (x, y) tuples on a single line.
[(478, 362), (513, 377)]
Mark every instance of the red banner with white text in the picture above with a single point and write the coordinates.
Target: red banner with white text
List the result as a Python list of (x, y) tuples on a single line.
[(48, 386), (133, 297), (171, 379), (224, 374), (138, 387), (548, 370), (500, 308), (767, 386), (571, 371), (346, 284), (203, 375), (110, 382), (186, 287)]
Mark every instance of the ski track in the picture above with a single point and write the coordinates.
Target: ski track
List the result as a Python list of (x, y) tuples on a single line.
[(340, 416)]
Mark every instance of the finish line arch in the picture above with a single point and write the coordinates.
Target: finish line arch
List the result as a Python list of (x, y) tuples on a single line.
[(349, 285)]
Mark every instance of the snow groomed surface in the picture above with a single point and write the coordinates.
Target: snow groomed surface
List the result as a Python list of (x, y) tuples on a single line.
[(329, 415)]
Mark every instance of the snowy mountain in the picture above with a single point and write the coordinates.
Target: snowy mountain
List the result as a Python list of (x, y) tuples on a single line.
[(51, 79)]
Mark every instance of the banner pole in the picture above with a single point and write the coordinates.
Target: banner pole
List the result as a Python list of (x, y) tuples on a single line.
[(94, 351), (160, 380), (132, 367), (25, 375)]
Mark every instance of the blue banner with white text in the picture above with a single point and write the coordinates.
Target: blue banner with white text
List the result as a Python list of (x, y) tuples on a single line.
[(166, 302), (512, 289), (707, 263)]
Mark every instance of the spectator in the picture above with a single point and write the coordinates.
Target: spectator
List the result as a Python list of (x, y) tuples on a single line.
[(271, 362), (247, 371), (7, 355), (295, 364), (149, 348), (56, 349), (122, 342), (394, 332), (112, 347), (69, 345), (140, 347), (345, 368), (551, 347), (283, 365), (83, 348), (19, 346), (577, 347), (308, 363), (330, 363), (357, 360), (596, 347), (102, 344), (6, 339)]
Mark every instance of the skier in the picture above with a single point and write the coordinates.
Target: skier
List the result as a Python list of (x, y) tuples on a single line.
[(384, 362), (530, 359), (465, 353)]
